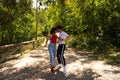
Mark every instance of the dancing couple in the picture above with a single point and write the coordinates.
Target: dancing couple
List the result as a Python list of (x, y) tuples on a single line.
[(59, 52)]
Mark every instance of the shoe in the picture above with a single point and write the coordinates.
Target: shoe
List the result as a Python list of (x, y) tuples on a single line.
[(59, 65), (52, 68), (64, 70)]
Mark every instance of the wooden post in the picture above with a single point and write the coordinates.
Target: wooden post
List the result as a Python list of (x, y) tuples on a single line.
[(37, 43), (33, 43), (21, 48)]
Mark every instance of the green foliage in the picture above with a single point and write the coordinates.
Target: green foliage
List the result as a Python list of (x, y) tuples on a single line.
[(93, 24), (15, 21)]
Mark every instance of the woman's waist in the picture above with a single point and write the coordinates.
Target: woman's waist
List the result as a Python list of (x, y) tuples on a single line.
[(52, 43)]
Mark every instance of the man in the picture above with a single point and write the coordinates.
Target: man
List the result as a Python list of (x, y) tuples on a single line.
[(61, 48)]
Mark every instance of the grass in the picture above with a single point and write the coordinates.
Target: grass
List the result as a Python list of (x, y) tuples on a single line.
[(110, 58)]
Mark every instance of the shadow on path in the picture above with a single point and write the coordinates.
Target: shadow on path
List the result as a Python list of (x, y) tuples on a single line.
[(37, 73), (35, 66)]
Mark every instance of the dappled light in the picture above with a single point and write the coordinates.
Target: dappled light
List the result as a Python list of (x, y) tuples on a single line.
[(92, 37), (35, 66)]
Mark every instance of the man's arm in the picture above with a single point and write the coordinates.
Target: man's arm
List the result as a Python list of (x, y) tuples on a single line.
[(64, 39), (67, 37), (60, 38)]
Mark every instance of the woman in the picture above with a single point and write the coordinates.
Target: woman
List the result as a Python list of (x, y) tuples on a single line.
[(52, 47)]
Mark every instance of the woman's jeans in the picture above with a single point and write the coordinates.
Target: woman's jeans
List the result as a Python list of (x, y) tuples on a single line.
[(53, 52)]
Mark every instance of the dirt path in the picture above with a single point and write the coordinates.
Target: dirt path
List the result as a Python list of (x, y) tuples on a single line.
[(35, 66)]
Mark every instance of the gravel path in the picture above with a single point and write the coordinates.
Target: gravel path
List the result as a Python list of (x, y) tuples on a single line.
[(35, 66)]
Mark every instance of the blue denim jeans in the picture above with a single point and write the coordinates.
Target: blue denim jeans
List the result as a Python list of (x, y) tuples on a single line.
[(53, 52)]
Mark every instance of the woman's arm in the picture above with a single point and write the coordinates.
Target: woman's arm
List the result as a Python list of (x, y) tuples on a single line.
[(48, 38)]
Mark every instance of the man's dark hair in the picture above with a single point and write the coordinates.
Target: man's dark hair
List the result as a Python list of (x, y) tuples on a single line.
[(59, 27), (53, 30)]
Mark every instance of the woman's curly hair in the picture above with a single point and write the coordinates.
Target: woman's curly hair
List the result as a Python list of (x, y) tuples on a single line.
[(52, 30)]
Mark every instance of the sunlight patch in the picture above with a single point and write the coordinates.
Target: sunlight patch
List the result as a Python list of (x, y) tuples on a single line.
[(74, 66), (39, 79), (25, 62)]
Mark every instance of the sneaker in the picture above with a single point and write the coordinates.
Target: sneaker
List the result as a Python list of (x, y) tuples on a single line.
[(64, 70), (59, 65)]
